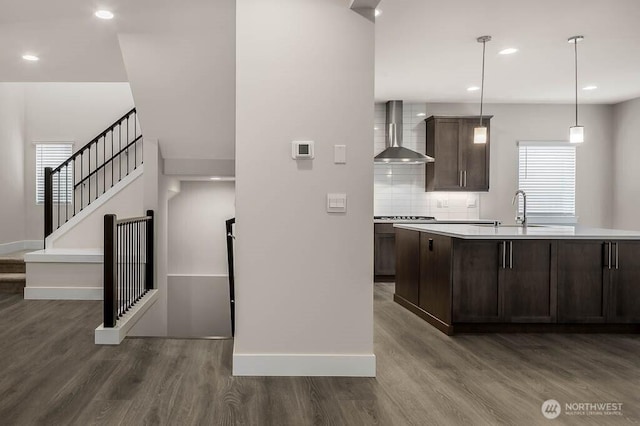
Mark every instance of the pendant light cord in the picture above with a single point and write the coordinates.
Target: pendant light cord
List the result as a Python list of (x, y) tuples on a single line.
[(575, 42), (484, 47)]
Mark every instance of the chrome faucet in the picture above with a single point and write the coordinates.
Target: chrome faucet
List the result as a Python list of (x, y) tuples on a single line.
[(521, 220)]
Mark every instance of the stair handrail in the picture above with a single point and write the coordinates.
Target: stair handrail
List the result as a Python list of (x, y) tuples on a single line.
[(94, 140), (74, 187)]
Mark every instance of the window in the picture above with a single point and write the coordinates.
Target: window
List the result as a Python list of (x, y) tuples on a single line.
[(547, 173), (52, 155)]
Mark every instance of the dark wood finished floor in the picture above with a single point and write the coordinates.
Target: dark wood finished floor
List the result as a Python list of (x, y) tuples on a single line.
[(53, 374)]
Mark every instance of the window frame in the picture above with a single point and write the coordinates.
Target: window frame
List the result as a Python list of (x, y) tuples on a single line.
[(549, 217), (40, 174)]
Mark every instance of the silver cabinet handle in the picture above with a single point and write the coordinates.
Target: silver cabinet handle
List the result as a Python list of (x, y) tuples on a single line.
[(504, 255), (616, 245), (510, 254), (464, 174), (608, 255), (460, 181)]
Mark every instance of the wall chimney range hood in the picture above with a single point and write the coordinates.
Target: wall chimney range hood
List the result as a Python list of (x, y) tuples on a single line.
[(394, 152)]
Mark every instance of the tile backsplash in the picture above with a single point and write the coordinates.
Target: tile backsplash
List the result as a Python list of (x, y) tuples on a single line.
[(399, 189)]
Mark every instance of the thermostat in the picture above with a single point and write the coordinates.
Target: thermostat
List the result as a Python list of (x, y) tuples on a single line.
[(302, 150)]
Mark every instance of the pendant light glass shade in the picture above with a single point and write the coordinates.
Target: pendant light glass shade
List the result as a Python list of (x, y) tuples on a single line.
[(576, 133), (480, 132), (480, 135)]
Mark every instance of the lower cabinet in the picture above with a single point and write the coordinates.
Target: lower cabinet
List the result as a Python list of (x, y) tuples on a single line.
[(458, 284), (624, 299), (434, 294), (504, 281), (384, 251), (408, 265), (599, 281)]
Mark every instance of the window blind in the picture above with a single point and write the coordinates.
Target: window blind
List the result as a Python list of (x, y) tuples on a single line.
[(547, 173), (52, 155)]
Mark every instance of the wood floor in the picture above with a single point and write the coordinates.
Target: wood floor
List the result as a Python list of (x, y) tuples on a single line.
[(51, 373)]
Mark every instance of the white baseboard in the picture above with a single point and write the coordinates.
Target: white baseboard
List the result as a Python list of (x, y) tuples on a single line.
[(63, 293), (115, 335), (15, 246), (343, 365)]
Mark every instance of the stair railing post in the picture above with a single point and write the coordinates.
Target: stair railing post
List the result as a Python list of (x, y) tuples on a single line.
[(48, 202), (149, 266), (110, 271)]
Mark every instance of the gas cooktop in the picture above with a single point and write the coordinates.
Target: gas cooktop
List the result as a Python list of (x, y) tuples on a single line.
[(391, 218)]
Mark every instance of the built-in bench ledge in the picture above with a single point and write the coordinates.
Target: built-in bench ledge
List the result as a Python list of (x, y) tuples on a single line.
[(65, 255), (64, 274)]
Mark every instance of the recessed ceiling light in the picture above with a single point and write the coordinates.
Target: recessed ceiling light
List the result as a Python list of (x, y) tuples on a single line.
[(377, 13), (104, 14), (215, 178), (592, 87), (508, 51), (421, 114), (473, 89), (31, 58)]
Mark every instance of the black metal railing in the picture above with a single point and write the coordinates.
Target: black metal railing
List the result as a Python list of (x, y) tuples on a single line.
[(128, 263), (91, 171)]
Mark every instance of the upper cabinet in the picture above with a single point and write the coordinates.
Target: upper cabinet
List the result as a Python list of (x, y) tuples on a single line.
[(460, 165)]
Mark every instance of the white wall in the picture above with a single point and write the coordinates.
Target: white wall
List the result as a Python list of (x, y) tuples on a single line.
[(12, 223), (626, 188), (65, 112), (181, 65), (197, 237), (89, 232), (198, 297), (514, 122), (304, 276)]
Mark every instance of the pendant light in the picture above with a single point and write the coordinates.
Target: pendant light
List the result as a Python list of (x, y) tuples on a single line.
[(480, 132), (576, 133)]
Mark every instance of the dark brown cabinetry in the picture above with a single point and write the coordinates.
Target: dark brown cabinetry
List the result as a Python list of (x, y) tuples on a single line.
[(624, 282), (408, 265), (571, 285), (583, 281), (599, 281), (460, 164), (384, 252), (504, 281), (434, 294)]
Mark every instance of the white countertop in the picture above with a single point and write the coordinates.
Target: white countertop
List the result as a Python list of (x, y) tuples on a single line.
[(424, 221), (480, 232)]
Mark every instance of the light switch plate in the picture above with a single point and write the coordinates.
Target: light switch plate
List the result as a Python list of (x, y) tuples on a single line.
[(336, 203)]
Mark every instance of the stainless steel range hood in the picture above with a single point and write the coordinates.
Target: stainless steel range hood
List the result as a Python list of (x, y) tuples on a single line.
[(395, 153)]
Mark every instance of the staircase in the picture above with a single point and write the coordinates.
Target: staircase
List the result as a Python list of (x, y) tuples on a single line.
[(104, 176), (12, 273)]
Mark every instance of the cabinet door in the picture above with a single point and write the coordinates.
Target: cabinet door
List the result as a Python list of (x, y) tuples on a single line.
[(476, 283), (408, 264), (474, 158), (582, 281), (529, 282), (435, 276), (625, 283), (443, 136), (384, 254)]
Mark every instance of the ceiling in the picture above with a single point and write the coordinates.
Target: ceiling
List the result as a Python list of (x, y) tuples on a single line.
[(426, 50)]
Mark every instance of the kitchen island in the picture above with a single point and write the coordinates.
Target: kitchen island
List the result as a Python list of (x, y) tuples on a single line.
[(482, 278)]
